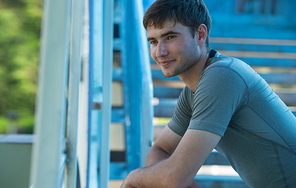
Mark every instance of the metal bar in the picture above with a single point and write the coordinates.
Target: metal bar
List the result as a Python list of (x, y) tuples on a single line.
[(95, 96), (74, 79), (135, 75), (276, 42), (93, 149), (90, 100), (125, 59), (136, 85), (82, 137), (104, 157), (61, 169), (118, 115), (131, 85), (51, 99), (146, 107)]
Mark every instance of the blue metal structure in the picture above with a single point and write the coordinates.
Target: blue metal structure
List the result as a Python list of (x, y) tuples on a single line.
[(100, 76), (52, 100), (135, 75)]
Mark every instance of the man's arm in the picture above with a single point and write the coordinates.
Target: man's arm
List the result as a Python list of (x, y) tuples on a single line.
[(180, 168), (163, 147)]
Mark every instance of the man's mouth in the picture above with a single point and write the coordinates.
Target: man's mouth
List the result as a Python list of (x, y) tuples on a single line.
[(165, 63)]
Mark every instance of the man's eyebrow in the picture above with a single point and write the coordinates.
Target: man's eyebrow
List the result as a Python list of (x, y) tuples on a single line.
[(164, 35), (150, 38), (169, 33)]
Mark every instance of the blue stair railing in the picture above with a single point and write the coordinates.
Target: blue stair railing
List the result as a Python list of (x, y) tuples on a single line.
[(135, 76), (100, 91)]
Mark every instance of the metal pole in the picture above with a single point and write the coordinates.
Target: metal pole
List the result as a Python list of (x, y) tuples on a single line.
[(48, 150), (74, 80), (104, 160)]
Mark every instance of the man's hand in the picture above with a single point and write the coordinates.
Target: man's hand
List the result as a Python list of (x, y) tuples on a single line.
[(194, 185), (131, 180), (125, 183)]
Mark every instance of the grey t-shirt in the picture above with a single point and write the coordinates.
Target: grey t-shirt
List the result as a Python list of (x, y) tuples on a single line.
[(258, 130)]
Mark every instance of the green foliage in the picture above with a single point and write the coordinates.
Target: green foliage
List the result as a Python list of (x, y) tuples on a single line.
[(20, 22)]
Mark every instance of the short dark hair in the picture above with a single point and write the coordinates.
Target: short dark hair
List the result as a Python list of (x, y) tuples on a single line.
[(190, 13)]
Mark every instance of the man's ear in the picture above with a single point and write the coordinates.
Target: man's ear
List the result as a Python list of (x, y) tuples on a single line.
[(202, 33)]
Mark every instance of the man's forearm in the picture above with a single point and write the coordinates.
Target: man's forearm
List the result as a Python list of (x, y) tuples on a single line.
[(160, 175), (155, 155), (144, 177), (157, 175)]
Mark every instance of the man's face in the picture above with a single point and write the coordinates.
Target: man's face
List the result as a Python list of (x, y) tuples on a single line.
[(173, 47)]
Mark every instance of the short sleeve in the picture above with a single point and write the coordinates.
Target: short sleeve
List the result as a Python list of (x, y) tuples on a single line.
[(182, 114), (219, 94)]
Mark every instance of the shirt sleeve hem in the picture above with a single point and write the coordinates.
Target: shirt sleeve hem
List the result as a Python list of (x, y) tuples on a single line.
[(207, 126)]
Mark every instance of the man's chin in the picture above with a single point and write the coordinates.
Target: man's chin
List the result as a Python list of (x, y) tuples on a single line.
[(169, 75)]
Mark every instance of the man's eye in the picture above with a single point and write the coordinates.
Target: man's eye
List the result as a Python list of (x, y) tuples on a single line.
[(170, 37), (152, 42)]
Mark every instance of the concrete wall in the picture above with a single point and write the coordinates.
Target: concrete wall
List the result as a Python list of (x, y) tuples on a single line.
[(15, 160)]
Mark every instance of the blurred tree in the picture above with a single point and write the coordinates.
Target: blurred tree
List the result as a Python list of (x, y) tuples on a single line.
[(20, 22)]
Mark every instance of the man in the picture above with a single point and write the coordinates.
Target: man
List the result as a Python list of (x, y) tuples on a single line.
[(225, 105)]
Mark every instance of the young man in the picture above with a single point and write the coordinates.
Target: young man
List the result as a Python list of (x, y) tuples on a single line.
[(225, 105)]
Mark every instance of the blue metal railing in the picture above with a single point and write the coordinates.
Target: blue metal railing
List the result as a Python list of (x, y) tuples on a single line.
[(100, 92), (147, 86), (137, 88)]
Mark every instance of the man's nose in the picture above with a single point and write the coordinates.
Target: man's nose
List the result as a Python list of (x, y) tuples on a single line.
[(161, 50)]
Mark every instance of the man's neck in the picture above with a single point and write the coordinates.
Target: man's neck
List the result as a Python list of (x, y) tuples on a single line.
[(191, 76)]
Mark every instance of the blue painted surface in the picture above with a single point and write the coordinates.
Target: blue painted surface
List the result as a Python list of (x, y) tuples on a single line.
[(100, 84), (136, 77), (118, 115), (279, 48), (105, 124), (91, 12)]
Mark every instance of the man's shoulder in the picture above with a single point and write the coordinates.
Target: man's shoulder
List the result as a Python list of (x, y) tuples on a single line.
[(233, 63), (223, 60)]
